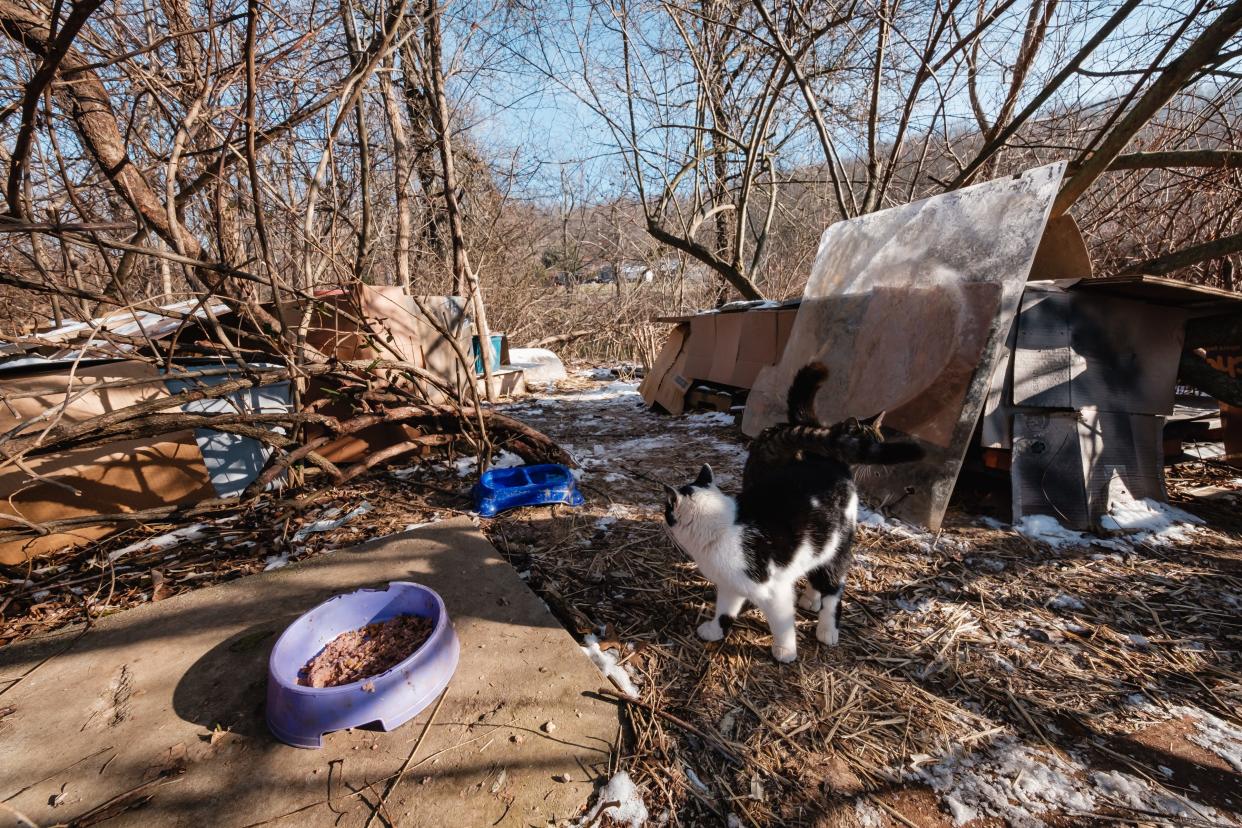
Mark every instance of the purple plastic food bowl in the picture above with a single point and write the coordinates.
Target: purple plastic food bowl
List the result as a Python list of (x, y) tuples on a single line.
[(300, 716)]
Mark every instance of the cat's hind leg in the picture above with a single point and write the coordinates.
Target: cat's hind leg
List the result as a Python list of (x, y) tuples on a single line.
[(728, 604), (830, 589), (780, 612), (811, 600)]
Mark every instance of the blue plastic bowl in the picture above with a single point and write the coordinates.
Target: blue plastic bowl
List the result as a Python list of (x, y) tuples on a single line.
[(499, 490), (300, 716)]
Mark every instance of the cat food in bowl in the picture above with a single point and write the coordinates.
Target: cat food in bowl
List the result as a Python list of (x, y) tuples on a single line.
[(375, 656)]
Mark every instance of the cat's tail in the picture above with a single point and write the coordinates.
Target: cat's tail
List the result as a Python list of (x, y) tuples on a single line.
[(801, 399)]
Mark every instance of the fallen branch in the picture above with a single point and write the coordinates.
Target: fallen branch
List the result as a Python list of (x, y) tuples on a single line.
[(1194, 370)]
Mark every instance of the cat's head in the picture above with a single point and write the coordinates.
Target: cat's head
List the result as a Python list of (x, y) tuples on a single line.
[(679, 502)]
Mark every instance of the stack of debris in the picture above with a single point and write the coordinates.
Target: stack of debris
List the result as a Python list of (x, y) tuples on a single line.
[(181, 430)]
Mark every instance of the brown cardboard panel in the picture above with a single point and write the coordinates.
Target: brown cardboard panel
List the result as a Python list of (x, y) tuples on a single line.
[(701, 346), (120, 477), (785, 318), (724, 354), (1062, 253), (674, 387), (1077, 350), (760, 334), (673, 345), (32, 393), (745, 373), (757, 346)]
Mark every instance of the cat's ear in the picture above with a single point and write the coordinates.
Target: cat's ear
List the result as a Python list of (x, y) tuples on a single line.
[(670, 494), (876, 421), (705, 477)]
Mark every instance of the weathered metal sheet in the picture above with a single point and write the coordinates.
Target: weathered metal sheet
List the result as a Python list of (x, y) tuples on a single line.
[(908, 308)]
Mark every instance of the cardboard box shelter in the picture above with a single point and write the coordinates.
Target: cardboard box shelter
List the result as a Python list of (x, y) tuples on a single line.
[(122, 476), (1088, 386), (728, 347)]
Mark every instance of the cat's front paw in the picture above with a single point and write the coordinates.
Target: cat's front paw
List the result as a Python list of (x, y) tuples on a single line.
[(810, 600), (710, 630), (784, 655)]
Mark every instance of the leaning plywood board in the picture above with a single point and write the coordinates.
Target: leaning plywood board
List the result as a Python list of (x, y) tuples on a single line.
[(908, 307)]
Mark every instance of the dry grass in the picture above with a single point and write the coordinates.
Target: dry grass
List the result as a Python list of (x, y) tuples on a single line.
[(948, 639), (951, 639)]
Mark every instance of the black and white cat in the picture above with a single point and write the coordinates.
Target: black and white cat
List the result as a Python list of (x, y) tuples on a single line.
[(794, 517)]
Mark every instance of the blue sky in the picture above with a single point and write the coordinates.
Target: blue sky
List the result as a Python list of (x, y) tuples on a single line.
[(517, 111)]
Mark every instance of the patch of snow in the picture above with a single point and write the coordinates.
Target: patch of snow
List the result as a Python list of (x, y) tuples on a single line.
[(1146, 520), (991, 522), (893, 526), (276, 561), (165, 541), (620, 801), (987, 564), (704, 419), (868, 815), (504, 460), (606, 661), (1216, 735), (1140, 642), (615, 390), (748, 304), (329, 521), (1131, 792), (1066, 602), (1046, 529), (615, 511), (920, 606), (1007, 780)]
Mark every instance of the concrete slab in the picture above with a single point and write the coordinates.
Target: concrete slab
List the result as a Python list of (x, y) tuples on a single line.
[(124, 711)]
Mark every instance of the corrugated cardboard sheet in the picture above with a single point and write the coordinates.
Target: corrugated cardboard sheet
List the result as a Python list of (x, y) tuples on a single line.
[(1063, 462), (1076, 350), (728, 348)]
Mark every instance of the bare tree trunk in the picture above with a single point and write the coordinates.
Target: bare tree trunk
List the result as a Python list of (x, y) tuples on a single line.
[(401, 174), (465, 280)]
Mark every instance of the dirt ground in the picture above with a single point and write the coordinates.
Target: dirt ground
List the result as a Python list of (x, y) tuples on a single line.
[(983, 678)]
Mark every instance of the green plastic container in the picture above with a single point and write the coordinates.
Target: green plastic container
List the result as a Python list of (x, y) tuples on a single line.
[(497, 339)]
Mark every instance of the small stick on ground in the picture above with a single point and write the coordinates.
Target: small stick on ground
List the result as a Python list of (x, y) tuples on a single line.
[(396, 780), (715, 741)]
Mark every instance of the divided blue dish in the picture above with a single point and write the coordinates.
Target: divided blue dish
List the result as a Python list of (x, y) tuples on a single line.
[(499, 490)]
